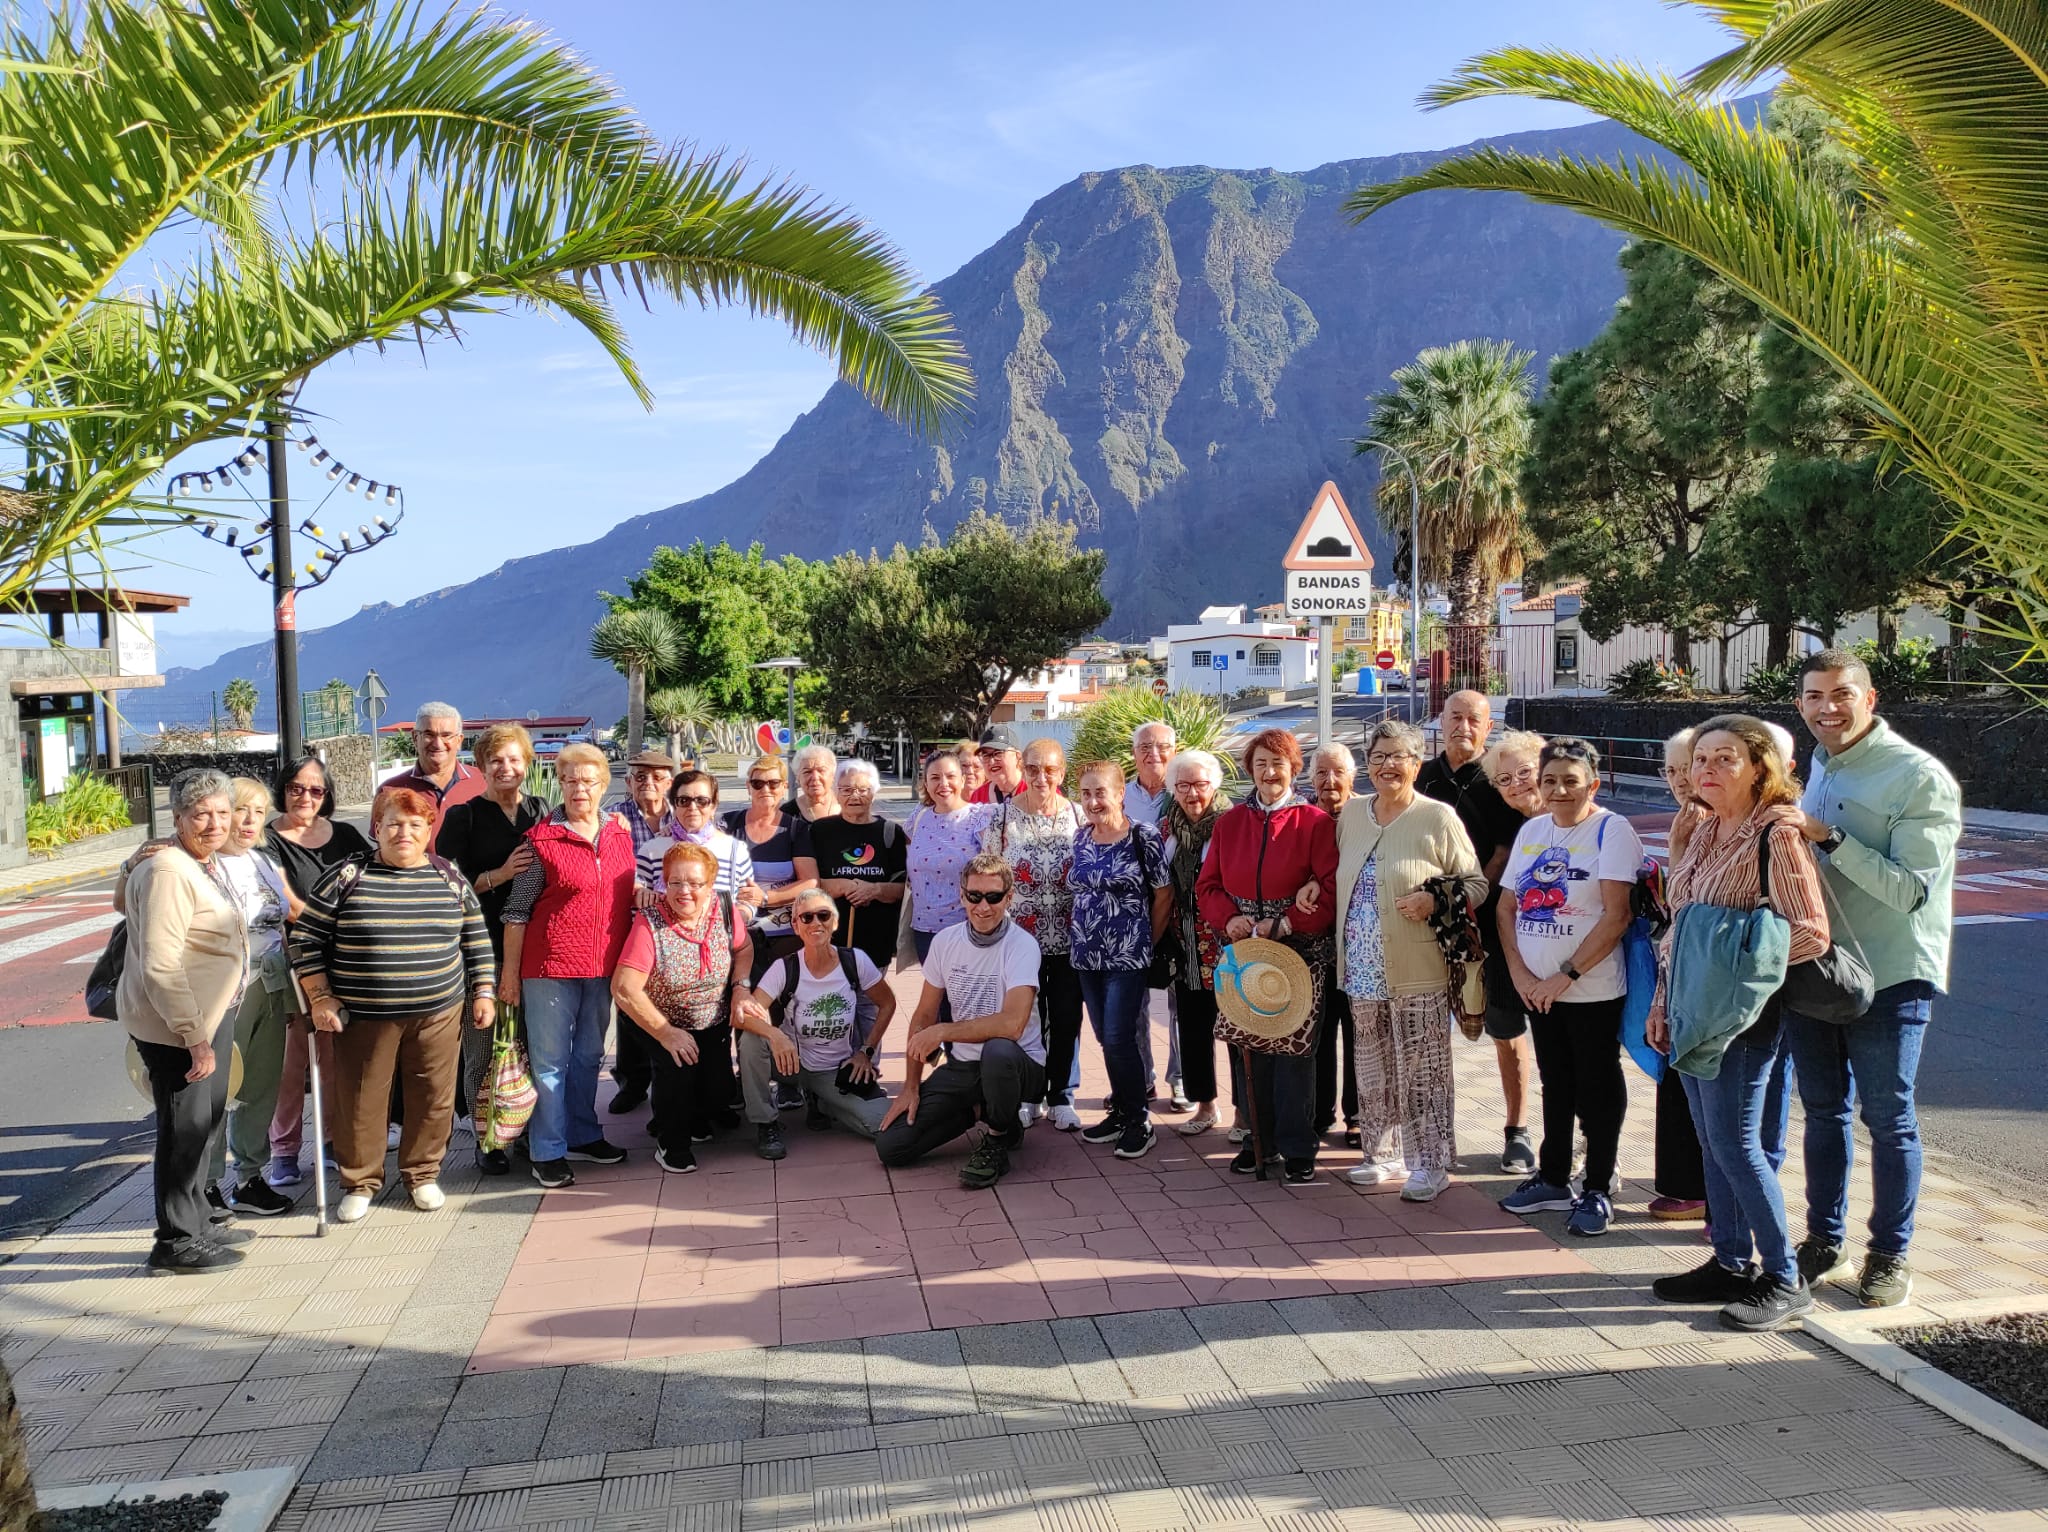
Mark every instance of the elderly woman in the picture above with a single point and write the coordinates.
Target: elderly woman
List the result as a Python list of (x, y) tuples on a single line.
[(973, 771), (1751, 797), (944, 837), (1033, 830), (682, 978), (1194, 781), (694, 798), (188, 956), (1390, 844), (486, 839), (775, 837), (817, 777), (390, 953), (1679, 1175), (565, 921), (1122, 897), (816, 1000), (1510, 764), (305, 841), (1261, 854), (1333, 775), (858, 858), (1563, 909)]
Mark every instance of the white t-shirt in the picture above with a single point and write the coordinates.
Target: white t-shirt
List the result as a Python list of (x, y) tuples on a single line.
[(976, 979), (821, 1015), (1554, 877)]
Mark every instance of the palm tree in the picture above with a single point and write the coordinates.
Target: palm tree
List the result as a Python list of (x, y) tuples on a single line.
[(676, 708), (640, 641), (1460, 413), (240, 699), (464, 163), (1928, 290)]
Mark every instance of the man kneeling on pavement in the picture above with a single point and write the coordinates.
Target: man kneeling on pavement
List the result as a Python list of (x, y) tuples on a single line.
[(987, 967)]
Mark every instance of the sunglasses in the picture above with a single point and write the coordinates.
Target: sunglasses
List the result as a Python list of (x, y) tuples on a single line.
[(815, 918), (763, 784), (984, 896), (692, 800), (298, 791)]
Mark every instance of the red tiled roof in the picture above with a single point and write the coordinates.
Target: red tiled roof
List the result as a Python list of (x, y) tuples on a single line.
[(472, 725), (1548, 601)]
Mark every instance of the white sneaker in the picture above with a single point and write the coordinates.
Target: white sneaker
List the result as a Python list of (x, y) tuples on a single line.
[(1238, 1133), (428, 1197), (391, 1137), (1425, 1185), (1376, 1172), (1201, 1122), (1029, 1113), (1065, 1118), (353, 1208)]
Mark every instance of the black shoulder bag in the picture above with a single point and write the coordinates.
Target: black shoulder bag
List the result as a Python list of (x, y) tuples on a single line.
[(1835, 987)]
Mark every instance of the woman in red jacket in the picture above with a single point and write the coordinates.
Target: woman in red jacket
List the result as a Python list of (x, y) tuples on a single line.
[(1263, 853)]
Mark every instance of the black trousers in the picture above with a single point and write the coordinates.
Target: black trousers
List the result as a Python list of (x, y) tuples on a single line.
[(1059, 1014), (1336, 1024), (1286, 1096), (1578, 1057), (959, 1091), (688, 1098), (1681, 1171), (1197, 1011), (634, 1063), (189, 1113)]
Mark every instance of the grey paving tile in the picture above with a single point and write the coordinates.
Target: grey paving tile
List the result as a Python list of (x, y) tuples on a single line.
[(1160, 1352), (523, 1391), (1018, 1366), (913, 1376), (1347, 1337), (714, 1396), (1436, 1326), (431, 1342), (503, 1439), (816, 1387), (383, 1430), (605, 1407), (1255, 1345)]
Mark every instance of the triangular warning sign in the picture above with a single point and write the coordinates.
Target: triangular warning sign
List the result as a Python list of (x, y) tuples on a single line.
[(1328, 538)]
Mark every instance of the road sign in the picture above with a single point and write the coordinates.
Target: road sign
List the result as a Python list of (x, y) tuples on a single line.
[(373, 693), (1386, 659), (1329, 567), (1219, 661), (1159, 686)]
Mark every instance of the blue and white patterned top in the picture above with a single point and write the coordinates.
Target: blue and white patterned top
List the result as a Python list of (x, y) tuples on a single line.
[(1111, 925), (1365, 951)]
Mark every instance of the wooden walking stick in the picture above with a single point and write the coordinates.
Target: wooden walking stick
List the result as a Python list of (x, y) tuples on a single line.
[(1251, 1110)]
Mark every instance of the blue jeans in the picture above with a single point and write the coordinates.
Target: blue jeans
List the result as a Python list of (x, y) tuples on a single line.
[(1778, 1104), (1742, 1189), (565, 1022), (1116, 999), (1869, 1064)]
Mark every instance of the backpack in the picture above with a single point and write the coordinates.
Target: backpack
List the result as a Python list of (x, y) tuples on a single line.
[(864, 1009), (351, 873)]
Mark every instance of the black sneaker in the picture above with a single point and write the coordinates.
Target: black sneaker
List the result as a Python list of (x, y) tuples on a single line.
[(1518, 1154), (677, 1162), (724, 1117), (629, 1096), (1769, 1305), (553, 1174), (1107, 1131), (788, 1095), (1708, 1282), (1886, 1282), (987, 1165), (1135, 1142), (1247, 1161), (220, 1212), (493, 1162), (598, 1152), (188, 1257), (230, 1238), (1300, 1172), (258, 1198), (1820, 1261), (814, 1115), (768, 1141)]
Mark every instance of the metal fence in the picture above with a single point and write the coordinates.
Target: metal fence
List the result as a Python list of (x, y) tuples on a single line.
[(137, 782), (329, 712)]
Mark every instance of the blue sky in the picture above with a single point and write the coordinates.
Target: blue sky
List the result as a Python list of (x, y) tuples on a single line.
[(940, 124)]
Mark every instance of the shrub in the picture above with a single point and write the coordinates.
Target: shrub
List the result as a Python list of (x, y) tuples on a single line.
[(1651, 680), (1906, 673), (1773, 683), (89, 805), (1105, 731)]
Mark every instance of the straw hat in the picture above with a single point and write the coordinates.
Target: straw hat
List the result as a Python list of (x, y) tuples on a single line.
[(138, 1072), (1264, 987)]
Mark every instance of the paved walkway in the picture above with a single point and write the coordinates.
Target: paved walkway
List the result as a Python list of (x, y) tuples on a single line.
[(393, 1362)]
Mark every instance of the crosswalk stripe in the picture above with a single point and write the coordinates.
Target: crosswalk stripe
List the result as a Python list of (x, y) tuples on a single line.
[(56, 936), (84, 957), (31, 917)]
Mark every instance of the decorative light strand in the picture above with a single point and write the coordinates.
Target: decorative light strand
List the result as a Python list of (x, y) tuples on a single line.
[(251, 546)]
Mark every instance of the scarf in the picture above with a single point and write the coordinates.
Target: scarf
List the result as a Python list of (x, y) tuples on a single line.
[(994, 938), (1190, 839)]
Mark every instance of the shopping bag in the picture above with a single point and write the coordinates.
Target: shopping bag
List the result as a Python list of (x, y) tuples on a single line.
[(506, 1098)]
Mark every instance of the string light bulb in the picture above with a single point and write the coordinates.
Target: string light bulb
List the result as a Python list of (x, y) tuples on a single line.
[(318, 457), (307, 443), (371, 492), (334, 473), (391, 494)]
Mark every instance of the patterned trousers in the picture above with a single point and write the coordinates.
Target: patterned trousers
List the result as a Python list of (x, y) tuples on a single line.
[(1404, 1078)]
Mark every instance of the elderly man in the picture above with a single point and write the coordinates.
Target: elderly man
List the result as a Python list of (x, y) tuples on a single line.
[(987, 966), (1885, 816), (1153, 747), (1457, 777), (1001, 754), (647, 815), (1331, 773), (438, 771)]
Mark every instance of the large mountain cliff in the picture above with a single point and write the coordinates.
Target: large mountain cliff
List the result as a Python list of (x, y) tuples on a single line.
[(1176, 358)]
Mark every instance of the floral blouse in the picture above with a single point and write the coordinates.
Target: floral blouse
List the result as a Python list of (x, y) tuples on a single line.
[(940, 845), (1040, 851), (1365, 950), (1111, 923)]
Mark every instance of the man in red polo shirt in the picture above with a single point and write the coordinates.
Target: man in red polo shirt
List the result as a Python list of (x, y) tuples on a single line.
[(437, 740)]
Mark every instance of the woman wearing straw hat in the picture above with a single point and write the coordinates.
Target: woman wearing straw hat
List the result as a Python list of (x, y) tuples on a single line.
[(1390, 843), (1261, 853)]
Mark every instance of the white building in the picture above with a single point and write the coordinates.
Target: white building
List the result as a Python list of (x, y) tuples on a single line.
[(1223, 652)]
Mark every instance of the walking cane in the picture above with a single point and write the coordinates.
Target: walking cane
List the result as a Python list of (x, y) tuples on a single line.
[(1251, 1110), (319, 1131)]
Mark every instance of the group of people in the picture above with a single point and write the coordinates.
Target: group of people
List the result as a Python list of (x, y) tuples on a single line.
[(743, 957)]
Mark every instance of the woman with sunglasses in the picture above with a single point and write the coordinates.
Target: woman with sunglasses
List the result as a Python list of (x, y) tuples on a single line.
[(775, 836), (694, 798), (825, 1011)]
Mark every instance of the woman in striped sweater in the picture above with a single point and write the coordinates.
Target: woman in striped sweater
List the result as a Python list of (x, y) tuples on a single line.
[(386, 952)]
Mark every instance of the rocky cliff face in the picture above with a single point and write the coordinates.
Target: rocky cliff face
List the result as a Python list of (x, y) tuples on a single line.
[(1175, 358)]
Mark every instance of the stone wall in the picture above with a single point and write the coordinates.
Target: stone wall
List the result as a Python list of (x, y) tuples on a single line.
[(349, 764), (31, 665), (1997, 750)]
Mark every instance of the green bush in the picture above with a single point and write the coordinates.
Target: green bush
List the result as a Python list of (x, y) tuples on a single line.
[(1649, 680), (89, 805), (1906, 673), (1105, 732), (45, 826), (1773, 683)]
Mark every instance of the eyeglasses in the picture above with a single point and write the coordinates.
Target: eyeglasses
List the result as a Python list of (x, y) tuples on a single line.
[(984, 896), (815, 918), (1388, 757), (686, 886), (299, 790), (1514, 778), (692, 801), (763, 784)]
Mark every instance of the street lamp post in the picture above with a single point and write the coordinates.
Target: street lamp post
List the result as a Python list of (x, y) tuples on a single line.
[(1414, 567), (789, 665)]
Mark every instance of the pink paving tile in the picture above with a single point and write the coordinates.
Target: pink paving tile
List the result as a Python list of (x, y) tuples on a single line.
[(989, 1247), (714, 1322), (545, 1286), (1327, 1218), (1048, 1202), (948, 1208), (563, 1339), (745, 1185), (1181, 1231), (934, 1174), (874, 1215), (1484, 1254), (841, 1257), (1362, 1265), (852, 1310), (799, 1180), (1125, 1295), (1066, 1260), (713, 1228), (594, 1196), (1006, 1296), (676, 1276), (1235, 1276), (587, 1239)]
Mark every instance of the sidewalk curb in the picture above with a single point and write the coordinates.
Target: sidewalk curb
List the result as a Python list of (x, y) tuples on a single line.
[(1852, 1334), (256, 1496), (11, 892)]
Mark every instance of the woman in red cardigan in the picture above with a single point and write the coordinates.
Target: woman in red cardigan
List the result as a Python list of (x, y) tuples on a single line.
[(1264, 852)]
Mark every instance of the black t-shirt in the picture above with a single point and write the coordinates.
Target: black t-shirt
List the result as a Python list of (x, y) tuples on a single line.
[(875, 852), (477, 836), (304, 865), (774, 859)]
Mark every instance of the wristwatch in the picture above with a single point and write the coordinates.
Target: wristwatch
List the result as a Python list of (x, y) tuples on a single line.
[(1832, 841), (1571, 972)]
